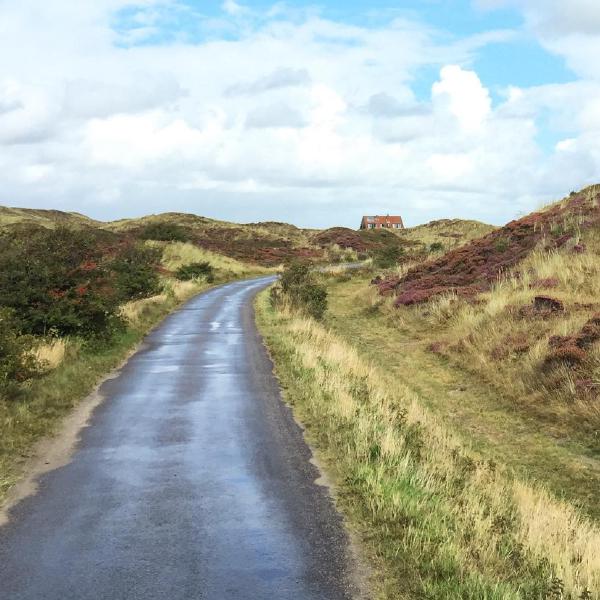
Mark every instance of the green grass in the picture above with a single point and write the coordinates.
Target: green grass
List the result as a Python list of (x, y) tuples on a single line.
[(440, 517), (486, 418)]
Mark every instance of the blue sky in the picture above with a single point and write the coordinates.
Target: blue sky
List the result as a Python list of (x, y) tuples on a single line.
[(304, 112)]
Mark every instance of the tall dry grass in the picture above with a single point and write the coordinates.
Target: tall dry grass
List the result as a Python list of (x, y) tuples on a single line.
[(493, 339), (51, 354), (451, 233), (445, 522), (136, 310), (174, 291), (335, 254), (178, 254)]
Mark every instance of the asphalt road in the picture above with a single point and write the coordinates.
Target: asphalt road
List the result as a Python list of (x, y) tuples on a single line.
[(192, 481)]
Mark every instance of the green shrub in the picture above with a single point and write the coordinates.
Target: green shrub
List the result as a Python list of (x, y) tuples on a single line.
[(194, 271), (135, 272), (164, 232), (436, 247), (387, 257), (57, 280), (501, 245), (17, 362), (298, 285)]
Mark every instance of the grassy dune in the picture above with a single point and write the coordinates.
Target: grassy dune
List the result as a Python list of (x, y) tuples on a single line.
[(532, 332), (45, 218), (456, 402), (506, 427), (450, 233), (441, 518)]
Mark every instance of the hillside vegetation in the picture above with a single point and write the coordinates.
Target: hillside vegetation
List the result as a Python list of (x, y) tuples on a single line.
[(44, 218), (73, 301), (267, 243), (521, 305), (456, 400)]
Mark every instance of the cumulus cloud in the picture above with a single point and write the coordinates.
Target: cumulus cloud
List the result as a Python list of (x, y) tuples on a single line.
[(461, 93), (389, 107), (27, 114), (233, 8), (281, 78), (275, 115), (569, 29), (93, 98), (272, 116), (555, 16)]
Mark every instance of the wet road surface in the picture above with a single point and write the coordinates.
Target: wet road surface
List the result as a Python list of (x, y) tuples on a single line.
[(192, 481)]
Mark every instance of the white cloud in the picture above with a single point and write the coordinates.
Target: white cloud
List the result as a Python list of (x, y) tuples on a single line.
[(27, 113), (450, 167), (462, 93), (284, 117), (137, 140), (275, 115), (569, 28), (281, 78), (556, 16), (233, 8)]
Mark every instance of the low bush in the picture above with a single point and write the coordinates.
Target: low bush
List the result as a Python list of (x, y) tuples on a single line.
[(195, 271), (299, 287), (17, 359), (135, 272), (56, 280), (480, 263), (387, 257), (164, 232)]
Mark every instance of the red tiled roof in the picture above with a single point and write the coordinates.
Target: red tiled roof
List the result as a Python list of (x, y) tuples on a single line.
[(382, 220)]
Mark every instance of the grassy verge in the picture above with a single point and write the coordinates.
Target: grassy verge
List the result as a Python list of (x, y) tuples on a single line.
[(485, 414), (440, 519), (41, 406)]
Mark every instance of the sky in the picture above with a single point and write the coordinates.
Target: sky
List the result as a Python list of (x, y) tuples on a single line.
[(310, 113)]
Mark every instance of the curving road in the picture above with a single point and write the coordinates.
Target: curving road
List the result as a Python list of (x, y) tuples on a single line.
[(191, 482)]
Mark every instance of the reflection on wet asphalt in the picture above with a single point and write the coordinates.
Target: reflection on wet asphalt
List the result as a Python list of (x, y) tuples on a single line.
[(191, 482)]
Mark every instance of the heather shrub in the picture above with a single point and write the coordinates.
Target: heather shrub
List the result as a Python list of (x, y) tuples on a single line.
[(164, 232), (17, 360), (299, 287), (478, 264), (194, 271), (135, 272), (55, 280), (387, 257), (501, 245)]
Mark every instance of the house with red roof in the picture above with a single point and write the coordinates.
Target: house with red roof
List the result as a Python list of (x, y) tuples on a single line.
[(377, 222)]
